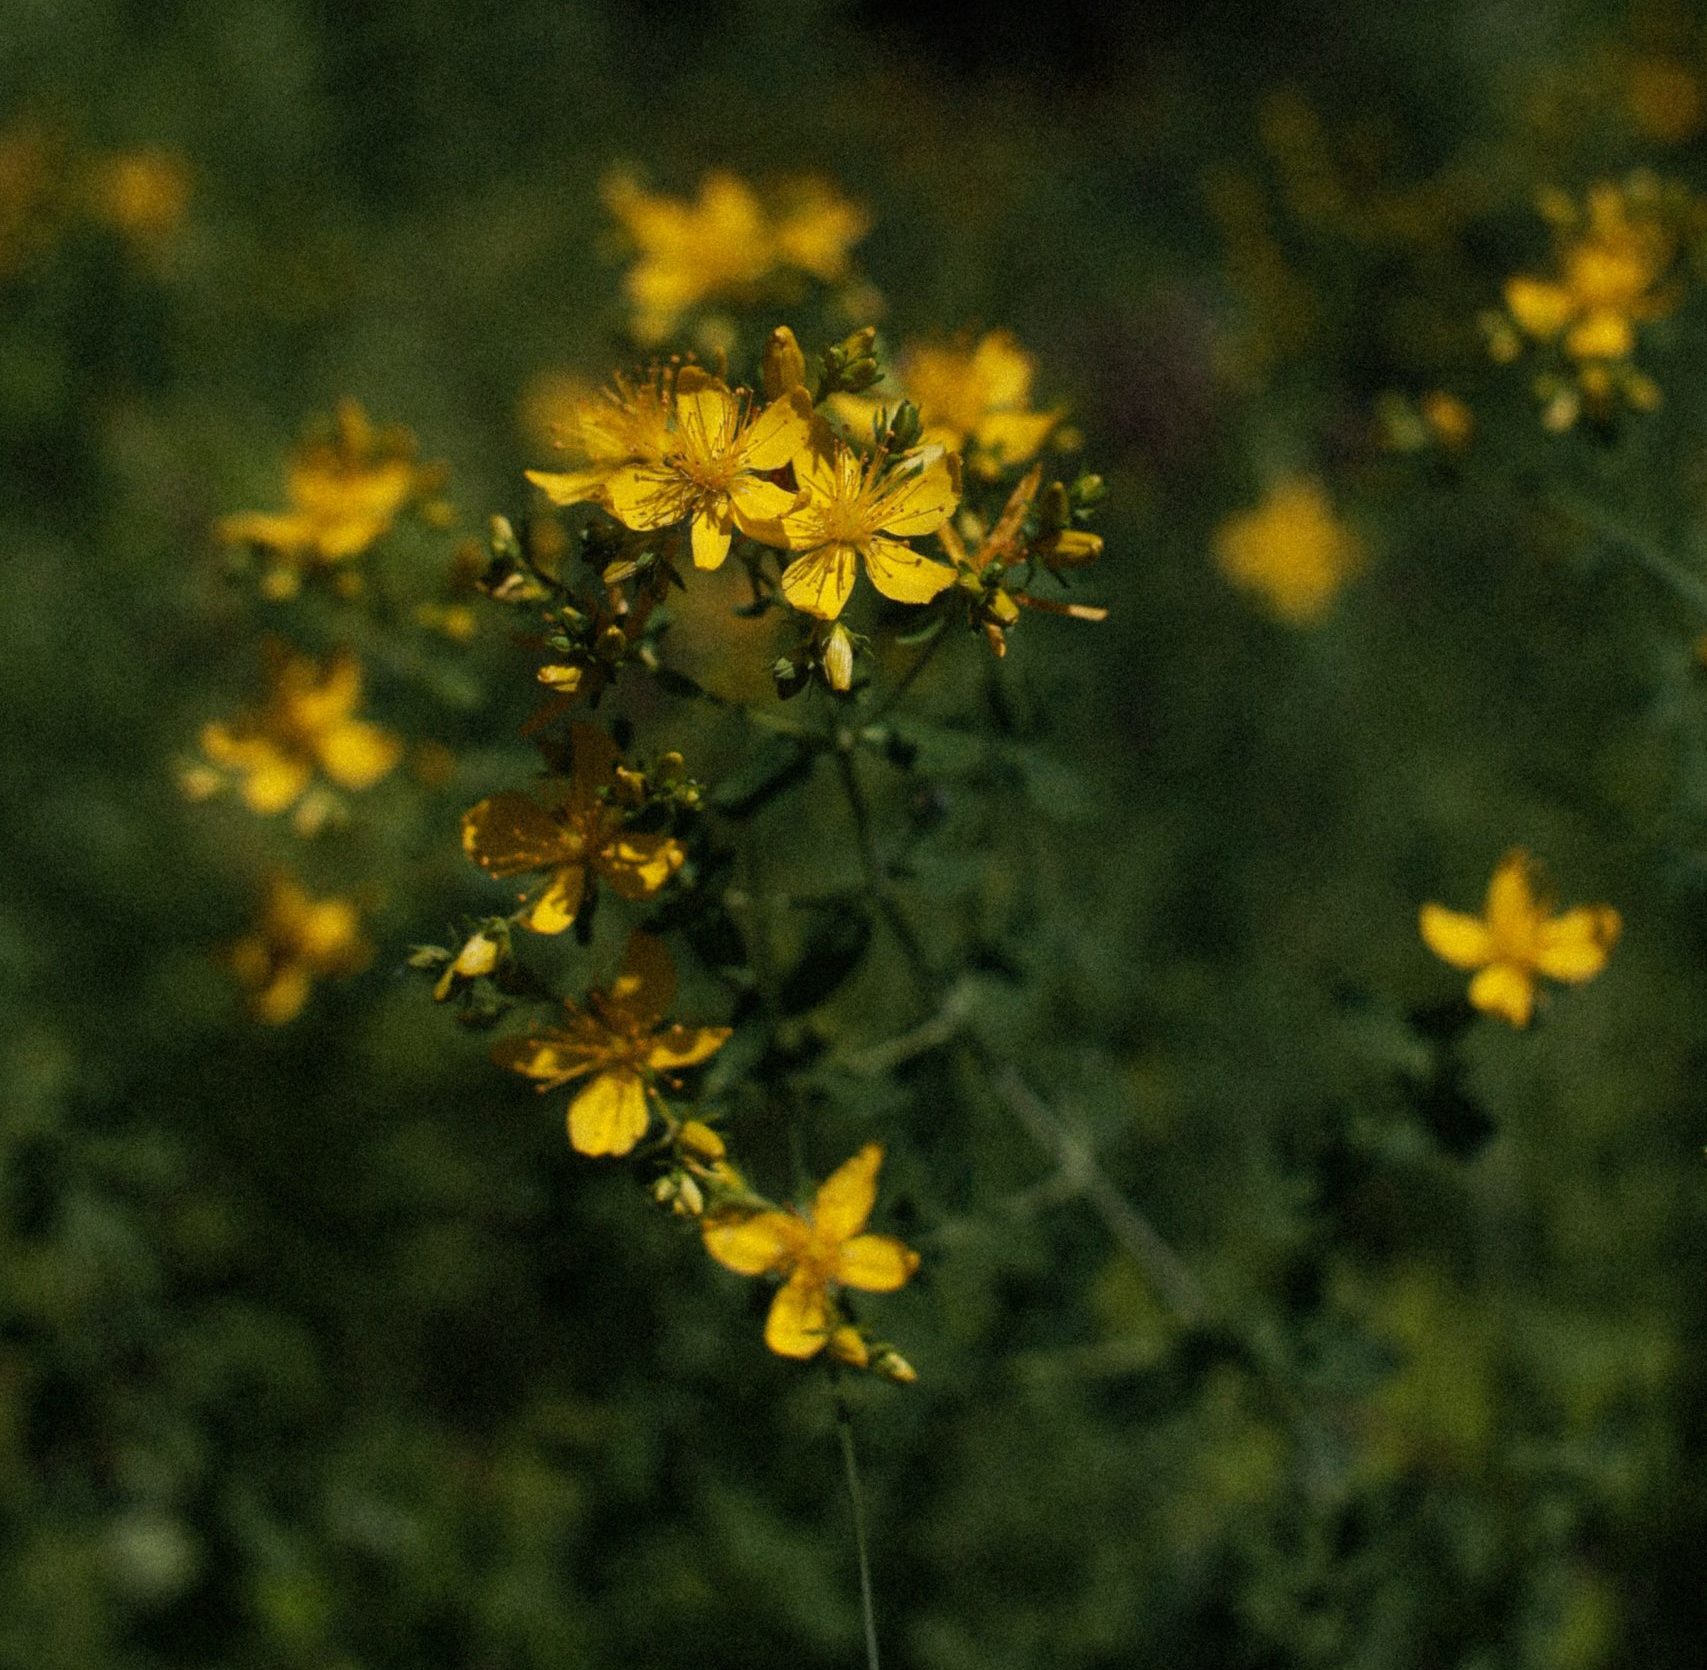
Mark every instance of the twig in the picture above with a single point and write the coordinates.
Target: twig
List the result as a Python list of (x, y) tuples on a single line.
[(1661, 565), (850, 1468)]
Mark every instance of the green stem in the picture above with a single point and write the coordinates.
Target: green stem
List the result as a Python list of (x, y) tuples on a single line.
[(905, 682), (1665, 568), (850, 1468)]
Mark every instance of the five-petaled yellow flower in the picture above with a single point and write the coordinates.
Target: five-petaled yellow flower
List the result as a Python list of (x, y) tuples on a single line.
[(725, 244), (975, 400), (1516, 940), (307, 724), (1291, 550), (855, 507), (345, 491), (575, 833), (627, 423), (714, 469), (297, 940), (620, 1043), (816, 1252)]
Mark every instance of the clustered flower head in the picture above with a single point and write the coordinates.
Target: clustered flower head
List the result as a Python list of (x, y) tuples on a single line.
[(728, 244), (305, 729), (347, 485), (1292, 551), (297, 940), (1517, 940), (1614, 260)]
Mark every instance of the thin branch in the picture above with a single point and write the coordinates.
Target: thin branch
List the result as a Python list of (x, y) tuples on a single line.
[(850, 1469), (1682, 582)]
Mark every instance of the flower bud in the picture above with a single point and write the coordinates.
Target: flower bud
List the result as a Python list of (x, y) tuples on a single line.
[(838, 659), (698, 1139), (889, 1363), (784, 366), (560, 676), (1069, 548), (846, 1346)]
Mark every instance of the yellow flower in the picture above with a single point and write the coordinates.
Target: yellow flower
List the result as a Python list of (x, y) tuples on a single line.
[(815, 1253), (297, 940), (974, 400), (575, 834), (306, 725), (628, 423), (618, 1042), (853, 507), (1516, 939), (142, 194), (345, 491), (725, 244), (714, 467), (1612, 263), (1291, 550)]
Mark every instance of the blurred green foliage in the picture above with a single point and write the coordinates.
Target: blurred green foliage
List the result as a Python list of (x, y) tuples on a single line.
[(319, 1349)]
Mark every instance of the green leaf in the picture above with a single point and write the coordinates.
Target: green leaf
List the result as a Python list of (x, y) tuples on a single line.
[(833, 950)]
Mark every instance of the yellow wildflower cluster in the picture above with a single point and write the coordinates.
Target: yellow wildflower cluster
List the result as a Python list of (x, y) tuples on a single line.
[(1615, 256), (305, 729), (297, 940), (1292, 551), (727, 245), (1517, 940), (346, 485)]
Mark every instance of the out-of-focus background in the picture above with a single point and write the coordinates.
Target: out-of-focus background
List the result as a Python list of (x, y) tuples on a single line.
[(319, 1349)]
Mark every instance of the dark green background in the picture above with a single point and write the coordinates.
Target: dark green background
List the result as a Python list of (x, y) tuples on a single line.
[(318, 1348)]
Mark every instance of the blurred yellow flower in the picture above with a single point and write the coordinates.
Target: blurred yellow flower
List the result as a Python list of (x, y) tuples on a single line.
[(576, 833), (1516, 939), (143, 195), (345, 488), (725, 244), (854, 507), (714, 467), (1291, 550), (605, 429), (815, 1253), (298, 939), (971, 399), (619, 1043), (306, 725), (1612, 258)]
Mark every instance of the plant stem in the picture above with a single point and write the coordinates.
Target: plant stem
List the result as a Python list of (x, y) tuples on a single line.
[(850, 1469), (1665, 568)]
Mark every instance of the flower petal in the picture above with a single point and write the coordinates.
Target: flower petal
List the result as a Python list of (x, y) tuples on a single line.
[(609, 1116), (1505, 990), (901, 573), (356, 755), (845, 1198), (686, 1046), (919, 495), (759, 1245), (645, 985), (713, 527), (876, 1263), (799, 1320), (567, 487), (509, 834), (555, 908), (273, 780), (1514, 909), (780, 431), (1464, 941), (638, 865), (649, 496), (820, 582), (1575, 946), (707, 413), (759, 507)]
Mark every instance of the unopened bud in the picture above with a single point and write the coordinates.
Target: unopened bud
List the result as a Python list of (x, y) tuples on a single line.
[(560, 676), (838, 659), (698, 1139), (889, 1363), (789, 676), (479, 955), (784, 366), (1069, 548), (905, 427), (504, 541), (846, 1346), (690, 1198)]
